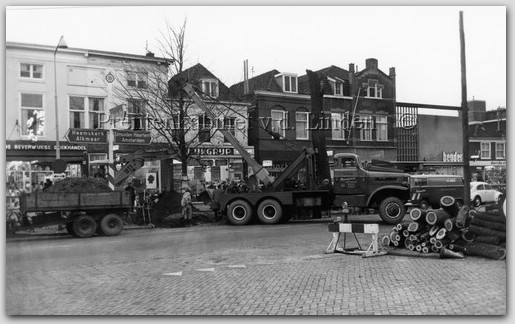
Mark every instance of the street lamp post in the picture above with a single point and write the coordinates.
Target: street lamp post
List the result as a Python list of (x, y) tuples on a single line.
[(61, 44)]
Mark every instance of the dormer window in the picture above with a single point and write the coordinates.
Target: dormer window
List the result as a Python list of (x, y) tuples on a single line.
[(337, 86), (288, 82), (210, 87), (373, 89)]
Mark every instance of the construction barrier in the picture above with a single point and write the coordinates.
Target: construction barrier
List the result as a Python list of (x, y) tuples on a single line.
[(337, 228)]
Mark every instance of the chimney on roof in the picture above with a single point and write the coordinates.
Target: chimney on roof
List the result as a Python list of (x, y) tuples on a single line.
[(149, 54), (392, 72), (371, 63), (351, 67)]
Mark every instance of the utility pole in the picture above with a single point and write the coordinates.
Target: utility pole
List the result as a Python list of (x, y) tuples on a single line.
[(464, 116), (319, 127)]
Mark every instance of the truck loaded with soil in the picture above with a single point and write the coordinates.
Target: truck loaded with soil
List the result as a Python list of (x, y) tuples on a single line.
[(85, 206)]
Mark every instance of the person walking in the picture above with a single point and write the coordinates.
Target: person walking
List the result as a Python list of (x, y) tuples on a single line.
[(186, 207), (328, 201)]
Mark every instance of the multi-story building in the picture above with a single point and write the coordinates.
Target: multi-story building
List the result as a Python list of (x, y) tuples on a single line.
[(281, 120), (211, 157), (50, 90), (487, 138)]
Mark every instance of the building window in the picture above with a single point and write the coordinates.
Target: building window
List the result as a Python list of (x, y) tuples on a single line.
[(86, 112), (290, 83), (31, 71), (32, 115), (373, 89), (500, 150), (366, 128), (210, 87), (204, 129), (340, 125), (137, 79), (302, 125), (485, 150), (77, 112), (337, 86), (229, 124), (279, 122), (96, 112), (137, 113), (382, 128)]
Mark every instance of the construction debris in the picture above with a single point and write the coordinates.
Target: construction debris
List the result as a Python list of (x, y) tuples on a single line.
[(452, 231)]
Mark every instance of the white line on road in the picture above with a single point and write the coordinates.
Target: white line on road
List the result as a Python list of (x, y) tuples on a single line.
[(173, 274), (237, 266), (206, 269)]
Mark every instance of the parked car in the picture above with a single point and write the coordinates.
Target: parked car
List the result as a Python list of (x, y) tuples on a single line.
[(482, 192), (427, 190)]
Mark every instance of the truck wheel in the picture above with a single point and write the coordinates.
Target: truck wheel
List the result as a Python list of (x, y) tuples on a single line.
[(69, 228), (84, 226), (270, 211), (239, 212), (111, 225), (392, 210), (423, 205)]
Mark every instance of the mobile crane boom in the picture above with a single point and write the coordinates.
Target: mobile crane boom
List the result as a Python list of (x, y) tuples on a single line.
[(259, 171)]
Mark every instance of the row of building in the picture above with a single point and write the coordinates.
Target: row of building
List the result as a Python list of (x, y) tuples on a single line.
[(50, 91)]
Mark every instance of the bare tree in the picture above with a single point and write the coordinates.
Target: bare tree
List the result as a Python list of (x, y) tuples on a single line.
[(156, 100)]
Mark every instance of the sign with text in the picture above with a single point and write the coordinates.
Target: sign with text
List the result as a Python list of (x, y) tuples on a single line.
[(212, 151), (132, 137), (84, 135)]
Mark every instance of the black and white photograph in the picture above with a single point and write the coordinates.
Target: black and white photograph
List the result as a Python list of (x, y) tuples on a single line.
[(264, 161)]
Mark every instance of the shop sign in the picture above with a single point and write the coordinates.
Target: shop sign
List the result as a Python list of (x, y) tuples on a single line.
[(151, 179), (132, 137), (84, 135), (267, 163), (452, 157), (211, 151), (44, 147)]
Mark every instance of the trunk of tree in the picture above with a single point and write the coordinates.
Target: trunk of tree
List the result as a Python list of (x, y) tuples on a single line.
[(462, 216), (450, 205), (485, 250), (487, 224), (437, 217), (481, 231)]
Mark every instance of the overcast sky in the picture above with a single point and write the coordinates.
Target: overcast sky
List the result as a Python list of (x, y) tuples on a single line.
[(422, 43)]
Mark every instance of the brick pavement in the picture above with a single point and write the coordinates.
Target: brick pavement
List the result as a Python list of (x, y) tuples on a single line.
[(245, 284)]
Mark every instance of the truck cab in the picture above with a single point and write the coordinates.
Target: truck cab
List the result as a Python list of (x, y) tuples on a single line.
[(383, 190)]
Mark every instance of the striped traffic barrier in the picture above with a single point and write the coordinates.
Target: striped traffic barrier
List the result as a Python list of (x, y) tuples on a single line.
[(110, 175), (337, 228)]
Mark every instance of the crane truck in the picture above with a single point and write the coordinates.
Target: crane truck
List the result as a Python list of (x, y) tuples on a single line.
[(384, 190)]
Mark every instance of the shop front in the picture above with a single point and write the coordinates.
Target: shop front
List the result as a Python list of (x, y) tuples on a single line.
[(210, 164)]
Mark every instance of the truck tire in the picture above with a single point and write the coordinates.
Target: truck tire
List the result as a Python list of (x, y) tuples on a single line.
[(111, 225), (239, 212), (423, 205), (84, 226), (270, 211), (392, 210)]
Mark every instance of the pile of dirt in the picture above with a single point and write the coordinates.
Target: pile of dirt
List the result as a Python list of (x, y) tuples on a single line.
[(80, 185), (169, 203)]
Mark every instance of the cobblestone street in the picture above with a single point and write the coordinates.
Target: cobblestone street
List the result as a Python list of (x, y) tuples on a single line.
[(265, 278)]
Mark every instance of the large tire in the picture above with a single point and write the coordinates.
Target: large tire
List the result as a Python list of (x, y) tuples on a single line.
[(392, 210), (111, 225), (239, 212), (84, 226), (270, 211)]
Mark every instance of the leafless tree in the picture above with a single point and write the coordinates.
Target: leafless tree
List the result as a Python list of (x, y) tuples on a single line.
[(155, 96)]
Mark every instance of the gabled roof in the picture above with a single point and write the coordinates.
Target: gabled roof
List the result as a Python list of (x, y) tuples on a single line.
[(194, 75), (328, 72), (265, 82)]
